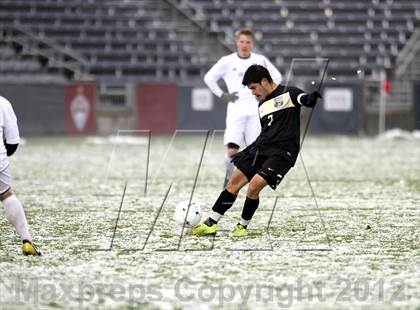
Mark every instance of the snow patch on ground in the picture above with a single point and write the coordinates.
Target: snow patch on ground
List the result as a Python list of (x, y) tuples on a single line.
[(367, 194), (398, 133), (117, 140)]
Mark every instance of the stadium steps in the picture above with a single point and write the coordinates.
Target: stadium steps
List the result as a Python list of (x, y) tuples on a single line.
[(22, 61), (408, 60), (288, 29), (182, 38), (133, 39), (50, 57), (180, 16)]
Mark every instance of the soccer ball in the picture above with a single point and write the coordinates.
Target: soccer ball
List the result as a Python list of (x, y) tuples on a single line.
[(193, 217)]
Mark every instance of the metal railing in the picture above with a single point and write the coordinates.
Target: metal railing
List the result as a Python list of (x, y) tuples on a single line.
[(408, 54), (56, 56)]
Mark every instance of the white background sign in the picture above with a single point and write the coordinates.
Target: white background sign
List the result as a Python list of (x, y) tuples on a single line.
[(202, 99), (338, 99)]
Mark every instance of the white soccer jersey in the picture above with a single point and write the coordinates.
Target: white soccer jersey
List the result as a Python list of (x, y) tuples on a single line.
[(9, 131), (231, 69)]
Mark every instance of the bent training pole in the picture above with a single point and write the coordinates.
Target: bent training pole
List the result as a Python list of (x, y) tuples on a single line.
[(312, 110)]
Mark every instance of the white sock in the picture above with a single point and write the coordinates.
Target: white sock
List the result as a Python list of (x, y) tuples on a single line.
[(215, 216), (229, 166), (244, 222), (16, 216)]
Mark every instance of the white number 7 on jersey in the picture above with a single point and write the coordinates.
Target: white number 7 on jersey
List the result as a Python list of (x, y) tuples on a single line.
[(270, 117)]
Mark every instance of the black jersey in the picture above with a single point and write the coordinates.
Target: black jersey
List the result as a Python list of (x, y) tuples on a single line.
[(280, 124)]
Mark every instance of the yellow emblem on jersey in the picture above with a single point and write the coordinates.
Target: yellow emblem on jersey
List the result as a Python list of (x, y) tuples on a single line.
[(276, 104)]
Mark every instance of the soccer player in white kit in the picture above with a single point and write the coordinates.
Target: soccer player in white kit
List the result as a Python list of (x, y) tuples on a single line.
[(242, 119), (12, 206)]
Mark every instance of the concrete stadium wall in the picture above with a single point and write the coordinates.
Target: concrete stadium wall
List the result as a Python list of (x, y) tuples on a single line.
[(398, 114), (39, 108), (53, 109), (340, 109), (197, 108), (416, 101), (156, 107), (163, 108)]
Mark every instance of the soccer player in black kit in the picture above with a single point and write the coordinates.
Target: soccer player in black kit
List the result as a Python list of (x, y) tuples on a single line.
[(267, 160)]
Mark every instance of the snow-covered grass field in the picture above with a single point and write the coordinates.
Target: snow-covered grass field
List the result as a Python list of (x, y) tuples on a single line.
[(358, 249)]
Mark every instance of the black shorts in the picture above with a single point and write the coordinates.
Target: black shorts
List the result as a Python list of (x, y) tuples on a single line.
[(271, 168)]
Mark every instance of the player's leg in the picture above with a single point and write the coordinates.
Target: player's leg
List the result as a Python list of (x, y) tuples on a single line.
[(15, 213), (233, 137), (247, 165), (252, 201), (232, 150), (223, 203), (271, 173), (252, 128), (227, 197)]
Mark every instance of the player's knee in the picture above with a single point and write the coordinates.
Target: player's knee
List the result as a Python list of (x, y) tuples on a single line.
[(231, 152), (255, 187), (236, 182), (253, 192), (232, 149), (6, 194), (232, 188)]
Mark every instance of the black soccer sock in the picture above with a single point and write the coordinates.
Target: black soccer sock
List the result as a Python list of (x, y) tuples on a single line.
[(250, 206), (222, 204)]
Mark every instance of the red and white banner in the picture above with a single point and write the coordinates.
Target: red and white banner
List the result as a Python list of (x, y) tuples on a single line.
[(80, 109)]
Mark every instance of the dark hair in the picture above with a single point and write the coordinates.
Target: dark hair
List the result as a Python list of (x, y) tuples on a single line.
[(255, 74)]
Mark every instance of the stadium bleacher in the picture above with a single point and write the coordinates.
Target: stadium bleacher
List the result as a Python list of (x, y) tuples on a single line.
[(141, 39), (116, 39), (355, 35)]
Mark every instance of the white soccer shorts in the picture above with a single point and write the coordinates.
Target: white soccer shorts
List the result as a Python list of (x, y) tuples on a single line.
[(5, 179), (240, 128)]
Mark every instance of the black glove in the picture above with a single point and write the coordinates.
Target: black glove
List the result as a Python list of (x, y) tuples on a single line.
[(226, 97), (10, 148), (312, 98)]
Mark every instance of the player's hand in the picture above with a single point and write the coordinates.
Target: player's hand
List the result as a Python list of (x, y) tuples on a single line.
[(10, 148), (226, 97), (312, 99)]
